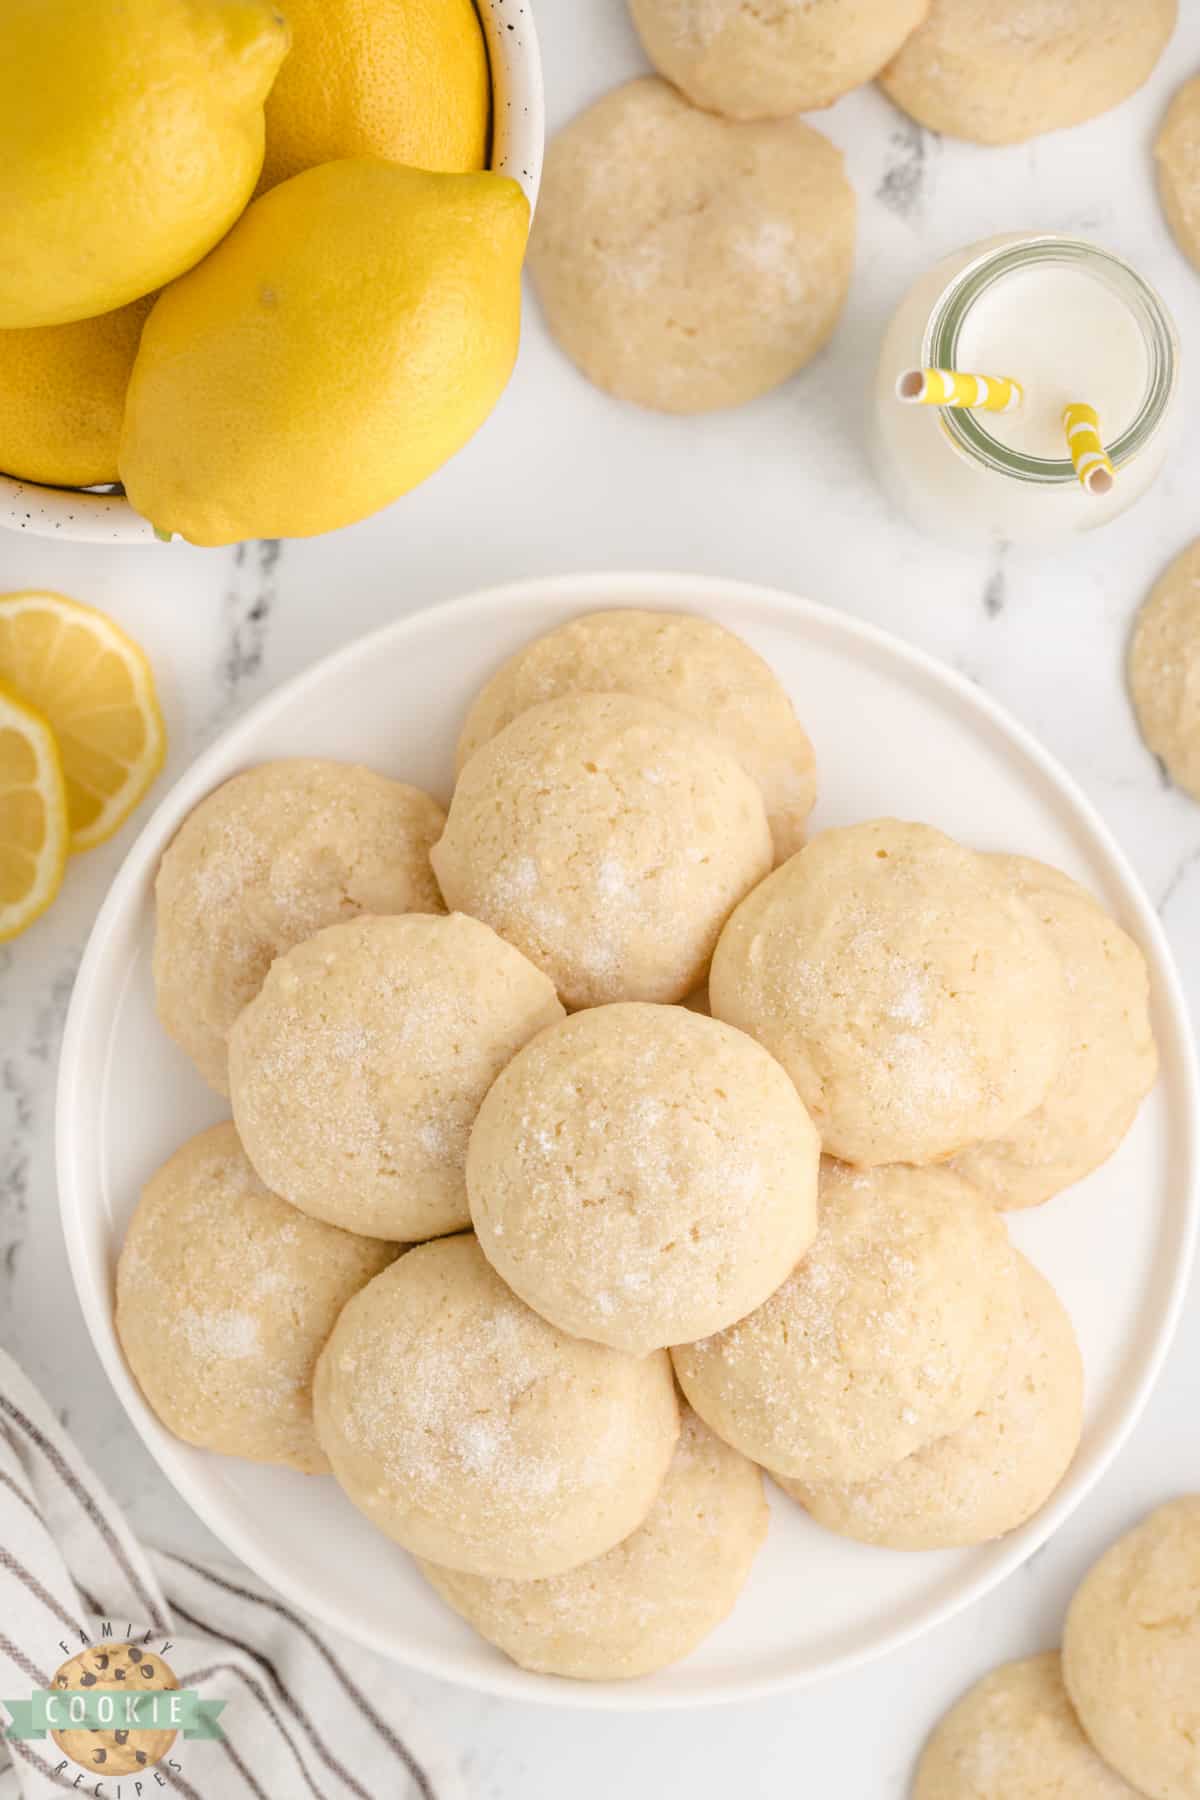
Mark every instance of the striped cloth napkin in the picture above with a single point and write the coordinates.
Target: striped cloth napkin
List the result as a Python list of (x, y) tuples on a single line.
[(306, 1716)]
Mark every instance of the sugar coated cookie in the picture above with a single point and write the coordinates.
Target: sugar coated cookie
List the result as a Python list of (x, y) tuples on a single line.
[(1111, 1059), (1164, 670), (765, 62), (475, 1434), (891, 1332), (1177, 154), (996, 1470), (609, 839), (649, 1601), (681, 661), (686, 262), (265, 861), (911, 995), (1001, 71), (642, 1175), (1131, 1653), (225, 1297), (357, 1070), (1014, 1736)]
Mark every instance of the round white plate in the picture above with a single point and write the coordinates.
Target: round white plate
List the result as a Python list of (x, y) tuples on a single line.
[(895, 733)]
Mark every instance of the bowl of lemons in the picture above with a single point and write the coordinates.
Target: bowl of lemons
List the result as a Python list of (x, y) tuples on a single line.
[(259, 259)]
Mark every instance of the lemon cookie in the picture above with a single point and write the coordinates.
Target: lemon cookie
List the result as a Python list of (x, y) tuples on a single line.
[(1164, 670), (267, 859), (686, 262), (754, 62), (117, 1669), (357, 1070), (1111, 1060), (609, 839), (1177, 155), (1131, 1653), (472, 1432), (642, 1175), (891, 1332), (650, 1600), (996, 1470), (1014, 1736), (1001, 71), (911, 995), (683, 661), (225, 1297)]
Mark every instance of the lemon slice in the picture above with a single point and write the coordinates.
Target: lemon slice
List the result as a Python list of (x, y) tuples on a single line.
[(34, 830), (95, 688)]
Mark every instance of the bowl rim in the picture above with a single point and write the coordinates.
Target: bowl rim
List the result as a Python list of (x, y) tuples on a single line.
[(663, 589), (101, 516)]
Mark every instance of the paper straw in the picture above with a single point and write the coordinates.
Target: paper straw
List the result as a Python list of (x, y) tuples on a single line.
[(1092, 464), (950, 387)]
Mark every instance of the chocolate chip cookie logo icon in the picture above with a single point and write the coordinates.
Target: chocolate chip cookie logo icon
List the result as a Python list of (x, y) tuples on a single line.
[(115, 1709)]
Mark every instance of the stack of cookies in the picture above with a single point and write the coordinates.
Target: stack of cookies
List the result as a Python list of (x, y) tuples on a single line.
[(545, 1249)]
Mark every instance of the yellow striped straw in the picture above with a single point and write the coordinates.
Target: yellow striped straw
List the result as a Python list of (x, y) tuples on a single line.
[(1092, 463), (950, 387)]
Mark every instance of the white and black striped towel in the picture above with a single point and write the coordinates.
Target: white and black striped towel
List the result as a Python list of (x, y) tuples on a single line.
[(307, 1717)]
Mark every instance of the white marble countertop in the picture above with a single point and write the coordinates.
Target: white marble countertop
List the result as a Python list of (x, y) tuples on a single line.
[(563, 478)]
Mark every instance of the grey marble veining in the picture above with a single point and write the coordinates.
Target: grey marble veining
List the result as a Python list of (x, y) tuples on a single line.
[(247, 607), (907, 183)]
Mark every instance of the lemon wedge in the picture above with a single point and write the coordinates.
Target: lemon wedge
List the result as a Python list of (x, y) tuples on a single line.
[(34, 829), (94, 687)]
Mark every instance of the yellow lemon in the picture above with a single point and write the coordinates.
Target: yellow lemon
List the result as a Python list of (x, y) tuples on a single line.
[(33, 816), (131, 136), (403, 79), (354, 329), (62, 394), (95, 687)]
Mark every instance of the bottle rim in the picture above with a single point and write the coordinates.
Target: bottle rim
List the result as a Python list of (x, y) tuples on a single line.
[(965, 428)]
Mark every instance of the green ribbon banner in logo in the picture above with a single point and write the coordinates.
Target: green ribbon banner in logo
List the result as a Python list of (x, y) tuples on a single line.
[(106, 1709)]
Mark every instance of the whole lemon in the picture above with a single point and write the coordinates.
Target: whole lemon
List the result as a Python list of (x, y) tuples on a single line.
[(350, 334), (131, 136), (62, 394), (403, 79)]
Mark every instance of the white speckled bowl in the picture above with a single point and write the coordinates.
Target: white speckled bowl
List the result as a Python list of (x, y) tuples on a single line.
[(97, 516)]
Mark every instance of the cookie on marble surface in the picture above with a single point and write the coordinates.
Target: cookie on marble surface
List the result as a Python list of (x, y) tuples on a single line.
[(357, 1070), (225, 1298), (649, 1601), (1001, 71), (1131, 1653), (472, 1432), (1164, 670), (1177, 157), (890, 1332), (608, 838), (687, 262), (1014, 1736), (994, 1472), (679, 660), (262, 863), (913, 998), (1111, 1061), (642, 1175), (758, 62)]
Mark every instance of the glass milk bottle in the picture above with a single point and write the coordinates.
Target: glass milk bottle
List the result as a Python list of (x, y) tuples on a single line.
[(1072, 324)]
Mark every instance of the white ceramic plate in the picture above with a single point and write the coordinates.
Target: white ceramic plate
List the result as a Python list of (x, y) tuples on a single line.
[(98, 516), (895, 733)]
